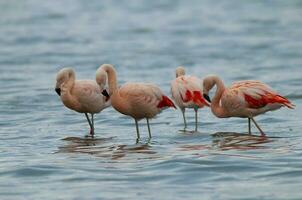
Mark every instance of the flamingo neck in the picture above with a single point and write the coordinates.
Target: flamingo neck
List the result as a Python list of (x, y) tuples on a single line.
[(112, 80), (215, 105), (68, 85), (101, 78)]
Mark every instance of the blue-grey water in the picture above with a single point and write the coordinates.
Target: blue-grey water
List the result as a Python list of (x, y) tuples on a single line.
[(43, 152)]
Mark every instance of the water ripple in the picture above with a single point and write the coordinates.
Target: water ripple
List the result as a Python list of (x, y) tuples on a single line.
[(44, 152)]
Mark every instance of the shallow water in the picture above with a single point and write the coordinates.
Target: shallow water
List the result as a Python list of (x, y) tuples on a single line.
[(43, 151)]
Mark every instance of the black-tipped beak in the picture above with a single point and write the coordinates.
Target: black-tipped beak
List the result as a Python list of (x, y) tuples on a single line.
[(58, 91), (105, 93), (207, 97)]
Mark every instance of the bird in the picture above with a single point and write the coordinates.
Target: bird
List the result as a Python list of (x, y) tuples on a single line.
[(83, 96), (244, 99), (187, 93), (137, 100)]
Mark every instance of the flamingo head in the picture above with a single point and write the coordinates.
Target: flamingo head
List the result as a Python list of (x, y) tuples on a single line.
[(180, 71), (101, 77), (208, 83), (62, 79)]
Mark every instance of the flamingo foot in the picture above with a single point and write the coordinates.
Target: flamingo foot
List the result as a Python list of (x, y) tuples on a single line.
[(90, 134)]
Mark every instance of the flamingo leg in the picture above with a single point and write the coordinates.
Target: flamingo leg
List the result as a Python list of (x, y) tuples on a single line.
[(149, 128), (92, 123), (89, 122), (249, 121), (137, 131), (183, 114), (196, 118), (262, 133)]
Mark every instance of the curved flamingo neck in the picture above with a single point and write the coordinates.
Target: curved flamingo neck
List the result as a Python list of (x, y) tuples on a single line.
[(101, 78), (215, 105), (68, 85), (112, 80)]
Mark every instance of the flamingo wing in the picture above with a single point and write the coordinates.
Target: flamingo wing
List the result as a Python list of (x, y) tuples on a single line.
[(187, 90), (86, 90), (146, 95), (89, 96), (257, 94)]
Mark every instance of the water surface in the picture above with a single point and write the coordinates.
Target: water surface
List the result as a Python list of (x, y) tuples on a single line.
[(43, 152)]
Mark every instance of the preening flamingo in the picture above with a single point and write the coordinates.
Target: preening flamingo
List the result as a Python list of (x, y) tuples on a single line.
[(138, 100), (245, 99), (187, 93), (83, 96)]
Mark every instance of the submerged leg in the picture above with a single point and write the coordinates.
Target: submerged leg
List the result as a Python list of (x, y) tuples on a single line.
[(249, 121), (183, 114), (137, 131), (149, 128), (90, 125), (196, 116), (262, 133)]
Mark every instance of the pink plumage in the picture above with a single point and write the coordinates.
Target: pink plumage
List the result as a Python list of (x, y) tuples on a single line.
[(138, 100), (187, 93), (83, 96), (166, 102), (257, 94), (245, 99)]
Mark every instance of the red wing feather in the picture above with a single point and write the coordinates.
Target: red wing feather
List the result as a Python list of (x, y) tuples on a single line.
[(196, 97), (166, 102), (268, 98)]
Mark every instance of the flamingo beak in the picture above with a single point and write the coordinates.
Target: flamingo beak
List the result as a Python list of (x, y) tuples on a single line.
[(105, 93), (58, 91), (207, 97)]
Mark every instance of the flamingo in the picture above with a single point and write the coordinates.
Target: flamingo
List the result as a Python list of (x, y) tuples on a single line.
[(138, 100), (187, 93), (83, 96), (244, 99)]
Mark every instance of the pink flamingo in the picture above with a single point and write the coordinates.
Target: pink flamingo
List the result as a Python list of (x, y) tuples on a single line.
[(83, 96), (138, 100), (187, 93), (245, 99)]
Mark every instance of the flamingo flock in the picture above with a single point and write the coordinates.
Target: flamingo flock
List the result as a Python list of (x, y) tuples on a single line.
[(243, 99)]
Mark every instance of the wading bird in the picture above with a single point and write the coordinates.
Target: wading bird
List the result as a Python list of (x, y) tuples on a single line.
[(83, 96), (245, 99), (138, 100), (187, 93)]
